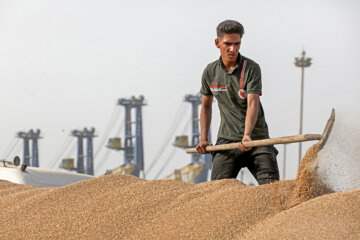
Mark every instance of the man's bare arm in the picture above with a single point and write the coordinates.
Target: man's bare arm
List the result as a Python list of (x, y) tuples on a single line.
[(251, 118), (205, 120), (251, 113)]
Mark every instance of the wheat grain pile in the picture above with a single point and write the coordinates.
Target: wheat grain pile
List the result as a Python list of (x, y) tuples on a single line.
[(126, 207)]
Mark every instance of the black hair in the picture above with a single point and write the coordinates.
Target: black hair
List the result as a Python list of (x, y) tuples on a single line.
[(228, 27)]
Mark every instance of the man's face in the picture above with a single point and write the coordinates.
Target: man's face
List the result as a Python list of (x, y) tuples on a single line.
[(229, 46)]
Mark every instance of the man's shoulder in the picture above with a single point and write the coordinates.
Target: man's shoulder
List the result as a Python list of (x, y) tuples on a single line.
[(212, 66), (211, 69), (250, 63)]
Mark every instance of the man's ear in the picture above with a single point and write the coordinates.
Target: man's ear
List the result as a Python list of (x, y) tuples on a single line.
[(217, 42)]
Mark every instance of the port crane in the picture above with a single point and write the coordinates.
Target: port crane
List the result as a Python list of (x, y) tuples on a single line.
[(197, 170), (133, 140)]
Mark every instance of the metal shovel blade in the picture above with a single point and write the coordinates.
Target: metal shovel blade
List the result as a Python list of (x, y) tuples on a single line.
[(327, 130)]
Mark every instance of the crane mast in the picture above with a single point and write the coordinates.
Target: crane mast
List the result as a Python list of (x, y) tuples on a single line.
[(33, 136), (197, 170), (133, 141)]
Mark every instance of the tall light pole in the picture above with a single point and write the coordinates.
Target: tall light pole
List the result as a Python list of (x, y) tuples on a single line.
[(302, 63)]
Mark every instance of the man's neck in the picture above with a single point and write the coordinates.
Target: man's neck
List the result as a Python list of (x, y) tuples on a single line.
[(229, 65)]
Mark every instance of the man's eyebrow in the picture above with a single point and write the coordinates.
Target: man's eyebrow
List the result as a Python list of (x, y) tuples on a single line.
[(231, 42)]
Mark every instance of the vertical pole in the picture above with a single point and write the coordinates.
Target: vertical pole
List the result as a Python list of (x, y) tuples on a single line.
[(301, 110), (26, 151), (139, 139), (35, 152), (302, 63), (195, 123), (80, 158), (89, 152), (35, 161), (195, 129), (128, 138)]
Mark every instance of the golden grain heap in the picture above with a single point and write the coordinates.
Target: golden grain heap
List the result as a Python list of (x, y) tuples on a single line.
[(126, 207)]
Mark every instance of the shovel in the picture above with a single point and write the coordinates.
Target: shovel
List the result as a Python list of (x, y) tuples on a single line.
[(271, 141)]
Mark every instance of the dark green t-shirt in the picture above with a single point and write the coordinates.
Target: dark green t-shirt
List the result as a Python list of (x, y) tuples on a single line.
[(225, 86)]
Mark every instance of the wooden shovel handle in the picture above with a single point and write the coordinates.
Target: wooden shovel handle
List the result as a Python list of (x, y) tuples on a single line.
[(263, 142)]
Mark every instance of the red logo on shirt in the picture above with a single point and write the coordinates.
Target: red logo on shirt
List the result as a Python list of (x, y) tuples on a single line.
[(242, 94), (215, 88)]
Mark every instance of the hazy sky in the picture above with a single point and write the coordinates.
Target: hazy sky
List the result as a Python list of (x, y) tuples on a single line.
[(64, 64)]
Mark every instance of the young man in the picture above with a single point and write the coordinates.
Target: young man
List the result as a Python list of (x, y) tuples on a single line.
[(235, 81)]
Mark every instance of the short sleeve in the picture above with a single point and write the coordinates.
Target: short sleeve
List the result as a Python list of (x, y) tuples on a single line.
[(205, 84), (253, 80)]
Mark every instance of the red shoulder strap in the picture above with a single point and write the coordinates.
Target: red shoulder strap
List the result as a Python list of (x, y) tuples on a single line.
[(242, 75)]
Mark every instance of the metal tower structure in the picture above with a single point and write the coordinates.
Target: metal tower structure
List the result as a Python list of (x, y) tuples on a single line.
[(80, 135), (27, 137), (26, 153), (200, 163), (89, 135), (34, 136), (80, 150), (133, 141)]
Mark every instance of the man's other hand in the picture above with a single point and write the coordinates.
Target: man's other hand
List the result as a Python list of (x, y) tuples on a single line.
[(241, 145), (201, 147)]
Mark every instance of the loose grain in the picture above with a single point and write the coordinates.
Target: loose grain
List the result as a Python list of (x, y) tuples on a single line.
[(307, 186), (126, 207)]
